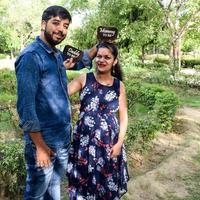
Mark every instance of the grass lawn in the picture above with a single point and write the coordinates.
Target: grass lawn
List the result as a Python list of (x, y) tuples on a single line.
[(188, 97)]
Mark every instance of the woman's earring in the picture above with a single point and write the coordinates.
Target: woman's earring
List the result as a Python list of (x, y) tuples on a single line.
[(113, 68)]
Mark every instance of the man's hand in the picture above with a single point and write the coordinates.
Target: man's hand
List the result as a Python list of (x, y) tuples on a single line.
[(69, 63), (43, 152), (43, 156)]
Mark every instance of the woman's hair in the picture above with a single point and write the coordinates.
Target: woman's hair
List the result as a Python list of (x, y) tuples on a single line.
[(54, 11), (116, 70)]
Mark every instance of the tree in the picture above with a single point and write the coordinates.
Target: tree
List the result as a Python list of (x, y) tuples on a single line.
[(143, 28), (179, 16), (20, 22), (137, 21)]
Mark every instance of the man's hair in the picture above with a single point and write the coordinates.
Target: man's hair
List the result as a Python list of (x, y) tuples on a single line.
[(54, 11)]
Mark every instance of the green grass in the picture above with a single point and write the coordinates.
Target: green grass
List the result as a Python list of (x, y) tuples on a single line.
[(5, 122), (192, 183), (188, 97)]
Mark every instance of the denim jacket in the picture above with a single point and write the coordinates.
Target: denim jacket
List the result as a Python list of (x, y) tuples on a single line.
[(43, 102)]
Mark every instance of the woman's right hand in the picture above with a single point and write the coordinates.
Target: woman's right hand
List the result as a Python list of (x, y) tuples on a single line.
[(116, 150)]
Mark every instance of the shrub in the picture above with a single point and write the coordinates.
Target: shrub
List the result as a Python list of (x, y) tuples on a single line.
[(165, 108), (190, 61), (129, 59), (161, 104), (150, 56), (8, 82), (148, 93), (5, 121), (197, 67), (132, 91), (140, 132), (161, 58), (12, 168), (154, 65)]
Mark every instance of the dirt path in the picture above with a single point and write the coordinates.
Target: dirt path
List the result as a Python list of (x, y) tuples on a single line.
[(160, 175), (7, 63)]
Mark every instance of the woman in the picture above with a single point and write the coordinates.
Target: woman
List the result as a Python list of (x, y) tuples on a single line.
[(97, 167)]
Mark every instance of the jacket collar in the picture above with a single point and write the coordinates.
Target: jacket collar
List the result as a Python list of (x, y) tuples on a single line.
[(45, 46)]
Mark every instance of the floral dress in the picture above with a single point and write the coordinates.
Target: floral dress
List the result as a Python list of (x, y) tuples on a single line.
[(92, 174)]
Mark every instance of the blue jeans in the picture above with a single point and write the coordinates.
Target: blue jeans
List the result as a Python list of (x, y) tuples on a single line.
[(44, 183)]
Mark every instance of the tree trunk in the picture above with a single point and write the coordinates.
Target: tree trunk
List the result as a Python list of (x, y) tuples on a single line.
[(175, 54), (143, 53), (11, 54)]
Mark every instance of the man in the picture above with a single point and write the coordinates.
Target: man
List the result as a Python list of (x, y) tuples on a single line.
[(43, 105)]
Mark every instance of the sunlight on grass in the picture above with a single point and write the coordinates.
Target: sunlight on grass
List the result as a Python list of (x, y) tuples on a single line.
[(189, 97)]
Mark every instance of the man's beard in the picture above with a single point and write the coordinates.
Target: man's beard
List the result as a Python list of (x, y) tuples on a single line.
[(50, 39)]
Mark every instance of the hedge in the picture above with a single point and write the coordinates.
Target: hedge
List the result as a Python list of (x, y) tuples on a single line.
[(161, 103), (12, 168)]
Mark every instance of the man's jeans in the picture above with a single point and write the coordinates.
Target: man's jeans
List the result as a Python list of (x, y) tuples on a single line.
[(44, 183)]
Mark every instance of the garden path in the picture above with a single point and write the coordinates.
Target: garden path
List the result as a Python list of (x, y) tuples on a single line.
[(174, 158)]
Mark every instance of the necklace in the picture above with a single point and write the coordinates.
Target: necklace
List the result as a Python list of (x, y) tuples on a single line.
[(108, 82)]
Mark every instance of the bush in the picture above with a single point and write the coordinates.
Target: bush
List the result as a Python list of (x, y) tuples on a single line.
[(148, 93), (154, 65), (197, 67), (132, 91), (140, 132), (161, 108), (129, 59), (12, 168), (5, 122), (165, 108), (8, 82), (190, 61), (158, 59), (150, 57), (161, 58)]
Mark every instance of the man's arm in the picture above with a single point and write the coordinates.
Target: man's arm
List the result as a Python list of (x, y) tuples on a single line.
[(28, 73)]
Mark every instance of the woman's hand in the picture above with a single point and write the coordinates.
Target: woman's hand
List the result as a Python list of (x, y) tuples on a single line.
[(116, 150), (69, 63)]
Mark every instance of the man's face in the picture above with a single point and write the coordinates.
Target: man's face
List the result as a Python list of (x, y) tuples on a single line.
[(55, 30)]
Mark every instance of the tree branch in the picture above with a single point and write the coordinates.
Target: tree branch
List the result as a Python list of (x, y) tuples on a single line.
[(189, 22), (170, 3), (161, 5), (169, 21)]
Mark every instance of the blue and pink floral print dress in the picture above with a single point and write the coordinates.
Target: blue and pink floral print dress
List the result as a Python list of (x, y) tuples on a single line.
[(92, 174)]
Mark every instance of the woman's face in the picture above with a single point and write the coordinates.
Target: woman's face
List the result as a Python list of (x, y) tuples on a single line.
[(104, 60)]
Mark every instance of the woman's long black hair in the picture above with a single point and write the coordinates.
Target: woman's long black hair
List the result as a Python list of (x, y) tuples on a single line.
[(116, 69)]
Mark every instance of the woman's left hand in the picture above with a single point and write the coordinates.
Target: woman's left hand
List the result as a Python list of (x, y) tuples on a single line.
[(116, 150)]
